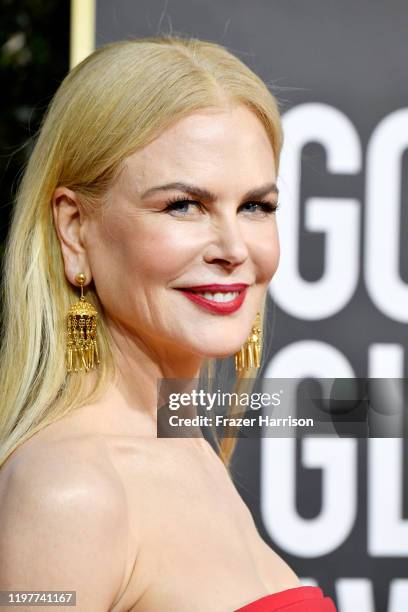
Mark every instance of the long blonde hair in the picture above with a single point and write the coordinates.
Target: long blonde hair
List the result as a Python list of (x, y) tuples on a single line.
[(114, 102)]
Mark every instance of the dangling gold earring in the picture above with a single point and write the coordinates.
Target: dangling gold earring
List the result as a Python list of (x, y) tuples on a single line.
[(249, 356), (82, 349)]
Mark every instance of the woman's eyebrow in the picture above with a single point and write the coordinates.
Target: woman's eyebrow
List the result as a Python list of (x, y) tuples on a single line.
[(204, 194)]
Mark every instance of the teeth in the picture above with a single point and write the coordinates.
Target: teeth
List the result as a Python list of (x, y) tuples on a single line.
[(218, 297)]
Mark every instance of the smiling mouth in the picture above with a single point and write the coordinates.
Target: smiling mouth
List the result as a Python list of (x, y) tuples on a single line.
[(216, 296), (219, 300)]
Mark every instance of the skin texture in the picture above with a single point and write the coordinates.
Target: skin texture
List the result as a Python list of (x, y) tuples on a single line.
[(163, 521)]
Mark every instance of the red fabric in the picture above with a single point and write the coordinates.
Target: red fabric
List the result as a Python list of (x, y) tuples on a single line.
[(298, 599)]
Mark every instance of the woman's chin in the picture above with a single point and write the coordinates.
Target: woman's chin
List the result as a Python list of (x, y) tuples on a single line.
[(217, 352), (205, 347)]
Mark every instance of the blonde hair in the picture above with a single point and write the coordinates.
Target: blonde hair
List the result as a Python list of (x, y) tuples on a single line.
[(117, 100)]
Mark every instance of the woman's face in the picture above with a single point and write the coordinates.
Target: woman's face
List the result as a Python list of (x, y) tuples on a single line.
[(141, 251)]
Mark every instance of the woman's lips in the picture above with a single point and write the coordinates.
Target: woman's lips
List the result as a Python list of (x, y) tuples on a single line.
[(219, 307)]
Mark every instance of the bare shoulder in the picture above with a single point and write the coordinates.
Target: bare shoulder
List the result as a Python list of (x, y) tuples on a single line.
[(63, 513), (60, 457)]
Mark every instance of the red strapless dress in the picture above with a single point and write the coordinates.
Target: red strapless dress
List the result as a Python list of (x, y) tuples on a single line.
[(297, 599)]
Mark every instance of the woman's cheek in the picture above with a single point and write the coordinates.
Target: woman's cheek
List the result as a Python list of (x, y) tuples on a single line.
[(266, 255), (161, 253)]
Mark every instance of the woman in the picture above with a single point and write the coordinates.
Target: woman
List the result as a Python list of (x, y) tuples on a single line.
[(152, 187)]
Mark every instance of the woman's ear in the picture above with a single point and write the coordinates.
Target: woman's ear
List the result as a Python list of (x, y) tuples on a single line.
[(68, 219)]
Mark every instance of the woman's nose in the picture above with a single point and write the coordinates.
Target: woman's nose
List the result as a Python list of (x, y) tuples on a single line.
[(227, 245)]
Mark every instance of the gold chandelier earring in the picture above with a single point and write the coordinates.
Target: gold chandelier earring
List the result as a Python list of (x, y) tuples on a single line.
[(82, 349), (249, 356)]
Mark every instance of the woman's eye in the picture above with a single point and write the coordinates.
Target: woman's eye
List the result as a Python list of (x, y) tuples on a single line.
[(263, 207), (181, 206)]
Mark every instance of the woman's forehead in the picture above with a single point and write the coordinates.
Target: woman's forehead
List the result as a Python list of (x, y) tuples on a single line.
[(201, 142)]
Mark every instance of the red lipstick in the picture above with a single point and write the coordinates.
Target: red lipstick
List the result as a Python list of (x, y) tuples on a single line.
[(212, 305)]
